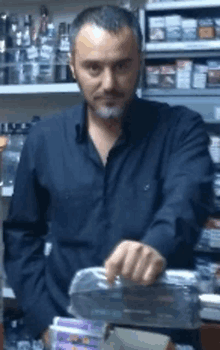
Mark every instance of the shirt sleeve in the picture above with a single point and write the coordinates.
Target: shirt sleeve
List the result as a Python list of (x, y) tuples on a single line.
[(187, 198), (23, 233)]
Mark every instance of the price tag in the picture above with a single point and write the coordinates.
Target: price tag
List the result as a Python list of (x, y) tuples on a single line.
[(46, 51), (32, 52)]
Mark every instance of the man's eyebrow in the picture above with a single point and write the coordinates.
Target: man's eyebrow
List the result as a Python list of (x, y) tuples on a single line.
[(123, 60)]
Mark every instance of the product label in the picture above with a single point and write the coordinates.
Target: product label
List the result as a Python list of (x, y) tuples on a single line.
[(65, 46), (32, 52), (46, 51)]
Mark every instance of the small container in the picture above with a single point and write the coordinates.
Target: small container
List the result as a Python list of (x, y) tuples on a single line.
[(156, 28), (184, 74), (168, 76), (153, 77), (173, 28), (199, 79), (189, 29), (206, 29), (213, 73)]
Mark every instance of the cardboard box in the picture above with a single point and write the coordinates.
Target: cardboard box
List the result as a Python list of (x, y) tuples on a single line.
[(184, 74), (129, 339), (168, 76), (199, 76), (173, 28), (156, 28), (153, 77), (189, 29)]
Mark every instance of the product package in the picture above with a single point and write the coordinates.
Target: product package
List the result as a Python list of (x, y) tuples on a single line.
[(171, 302), (210, 307), (205, 269), (214, 148), (156, 29), (153, 77), (128, 339), (173, 28), (69, 334), (184, 74), (217, 28), (168, 76), (199, 77), (206, 28), (189, 29), (213, 73)]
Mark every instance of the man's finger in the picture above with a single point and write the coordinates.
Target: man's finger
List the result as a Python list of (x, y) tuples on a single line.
[(152, 273), (114, 263), (131, 259)]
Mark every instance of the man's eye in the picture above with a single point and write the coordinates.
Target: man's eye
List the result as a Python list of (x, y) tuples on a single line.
[(122, 66), (94, 69)]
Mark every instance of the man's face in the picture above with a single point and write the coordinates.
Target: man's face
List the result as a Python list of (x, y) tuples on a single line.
[(107, 68)]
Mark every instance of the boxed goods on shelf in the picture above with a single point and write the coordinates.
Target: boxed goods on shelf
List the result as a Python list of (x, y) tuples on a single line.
[(213, 73), (189, 29), (156, 28), (183, 75), (199, 78), (173, 28), (206, 29)]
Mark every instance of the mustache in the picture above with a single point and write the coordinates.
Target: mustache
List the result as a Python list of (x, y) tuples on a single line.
[(112, 95)]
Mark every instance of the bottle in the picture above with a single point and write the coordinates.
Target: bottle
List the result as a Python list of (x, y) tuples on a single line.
[(26, 39), (30, 53), (62, 54), (3, 31), (16, 61), (11, 155), (47, 56), (44, 19)]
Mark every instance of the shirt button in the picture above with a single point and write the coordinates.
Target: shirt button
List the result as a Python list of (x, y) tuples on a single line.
[(146, 187)]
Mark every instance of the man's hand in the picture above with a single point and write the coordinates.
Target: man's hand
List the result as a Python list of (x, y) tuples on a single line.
[(135, 261)]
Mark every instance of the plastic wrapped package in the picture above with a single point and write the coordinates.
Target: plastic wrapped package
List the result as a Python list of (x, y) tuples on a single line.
[(69, 334), (171, 302)]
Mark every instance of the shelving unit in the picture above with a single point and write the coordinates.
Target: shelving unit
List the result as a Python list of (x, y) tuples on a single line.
[(39, 89), (181, 5)]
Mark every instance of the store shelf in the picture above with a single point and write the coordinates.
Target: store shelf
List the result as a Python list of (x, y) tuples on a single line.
[(39, 88), (8, 293), (184, 46), (181, 92), (178, 5)]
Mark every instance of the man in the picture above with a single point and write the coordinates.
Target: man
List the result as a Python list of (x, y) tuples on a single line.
[(124, 183)]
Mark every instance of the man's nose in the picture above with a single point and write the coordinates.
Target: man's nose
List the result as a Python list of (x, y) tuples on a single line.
[(109, 80)]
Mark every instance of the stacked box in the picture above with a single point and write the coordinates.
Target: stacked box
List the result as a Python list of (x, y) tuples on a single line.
[(217, 28), (173, 28), (168, 76), (199, 78), (183, 76), (153, 77), (206, 28), (213, 73), (156, 28), (189, 29)]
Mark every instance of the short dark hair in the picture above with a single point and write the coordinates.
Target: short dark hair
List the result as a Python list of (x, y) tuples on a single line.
[(111, 18)]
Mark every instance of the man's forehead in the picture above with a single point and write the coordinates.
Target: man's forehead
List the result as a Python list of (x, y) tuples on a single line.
[(91, 35)]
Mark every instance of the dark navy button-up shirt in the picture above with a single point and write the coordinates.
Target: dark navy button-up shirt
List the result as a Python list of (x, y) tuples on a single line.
[(155, 188)]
